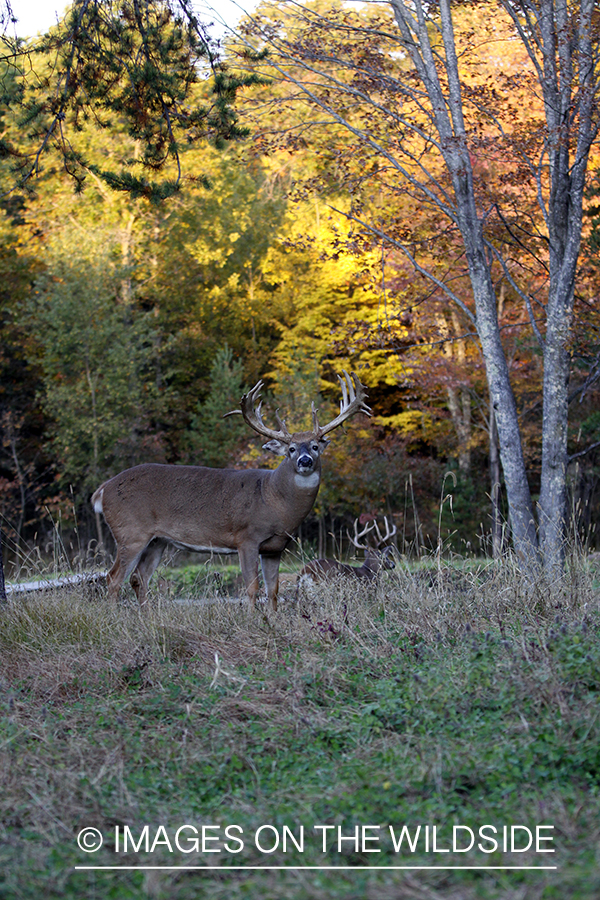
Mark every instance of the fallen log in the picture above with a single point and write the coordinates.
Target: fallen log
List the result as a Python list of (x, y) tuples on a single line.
[(47, 584)]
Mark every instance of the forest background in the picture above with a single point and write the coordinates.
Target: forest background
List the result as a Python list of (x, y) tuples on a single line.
[(132, 319)]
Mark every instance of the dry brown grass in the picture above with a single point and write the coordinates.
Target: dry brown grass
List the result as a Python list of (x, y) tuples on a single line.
[(96, 696), (62, 642), (431, 601)]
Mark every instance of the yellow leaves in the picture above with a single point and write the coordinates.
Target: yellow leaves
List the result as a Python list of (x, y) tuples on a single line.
[(207, 254), (407, 421)]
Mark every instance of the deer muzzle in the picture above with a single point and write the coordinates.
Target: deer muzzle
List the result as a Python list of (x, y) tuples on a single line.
[(306, 462)]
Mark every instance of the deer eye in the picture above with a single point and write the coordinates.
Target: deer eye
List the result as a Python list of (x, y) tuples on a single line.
[(292, 449), (315, 448)]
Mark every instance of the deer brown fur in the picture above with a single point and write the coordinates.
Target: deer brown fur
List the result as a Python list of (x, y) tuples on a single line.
[(376, 557), (253, 511)]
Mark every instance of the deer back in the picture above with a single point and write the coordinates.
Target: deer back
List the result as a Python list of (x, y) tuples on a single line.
[(320, 569), (196, 506), (375, 560)]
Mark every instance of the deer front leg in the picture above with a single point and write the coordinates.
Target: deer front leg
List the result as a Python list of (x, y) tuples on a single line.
[(249, 565), (270, 570)]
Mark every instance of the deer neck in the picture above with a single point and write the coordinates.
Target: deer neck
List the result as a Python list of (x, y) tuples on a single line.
[(372, 563), (307, 482), (289, 483)]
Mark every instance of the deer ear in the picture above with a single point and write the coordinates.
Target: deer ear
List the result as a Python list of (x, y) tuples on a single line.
[(323, 443), (276, 446)]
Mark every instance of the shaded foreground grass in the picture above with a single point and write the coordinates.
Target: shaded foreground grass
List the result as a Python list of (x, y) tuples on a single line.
[(442, 700)]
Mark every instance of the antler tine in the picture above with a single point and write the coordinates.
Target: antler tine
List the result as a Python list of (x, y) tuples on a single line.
[(251, 395), (281, 423), (388, 534), (253, 418), (314, 412), (354, 395), (366, 530)]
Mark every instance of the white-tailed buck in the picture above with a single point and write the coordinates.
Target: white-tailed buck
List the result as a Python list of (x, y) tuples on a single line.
[(253, 511), (376, 557)]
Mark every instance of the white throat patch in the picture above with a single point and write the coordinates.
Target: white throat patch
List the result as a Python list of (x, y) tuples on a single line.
[(307, 481)]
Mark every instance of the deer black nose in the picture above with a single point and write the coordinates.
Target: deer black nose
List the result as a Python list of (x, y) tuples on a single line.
[(305, 461)]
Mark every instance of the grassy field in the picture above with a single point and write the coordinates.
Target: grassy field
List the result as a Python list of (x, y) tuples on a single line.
[(204, 735)]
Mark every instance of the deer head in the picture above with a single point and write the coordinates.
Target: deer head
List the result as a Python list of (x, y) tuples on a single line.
[(303, 449), (376, 553)]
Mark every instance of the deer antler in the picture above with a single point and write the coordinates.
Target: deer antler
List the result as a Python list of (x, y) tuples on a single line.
[(366, 530), (253, 418), (354, 397), (388, 534)]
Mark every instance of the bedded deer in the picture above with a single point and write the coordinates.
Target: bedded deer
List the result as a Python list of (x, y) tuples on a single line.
[(253, 511), (376, 557)]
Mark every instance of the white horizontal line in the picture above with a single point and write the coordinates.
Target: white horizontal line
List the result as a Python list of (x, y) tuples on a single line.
[(321, 868)]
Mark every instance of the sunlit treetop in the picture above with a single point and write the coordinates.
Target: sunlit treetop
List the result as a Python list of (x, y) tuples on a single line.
[(146, 66)]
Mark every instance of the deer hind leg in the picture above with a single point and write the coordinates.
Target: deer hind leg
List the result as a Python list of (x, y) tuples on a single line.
[(147, 565), (270, 570), (126, 560), (114, 579), (249, 565)]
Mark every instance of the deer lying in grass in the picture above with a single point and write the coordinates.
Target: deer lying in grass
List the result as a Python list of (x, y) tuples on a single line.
[(376, 558), (253, 511)]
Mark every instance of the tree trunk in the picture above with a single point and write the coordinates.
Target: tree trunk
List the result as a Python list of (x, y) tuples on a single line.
[(495, 489), (503, 404), (566, 61), (447, 113), (459, 404), (21, 481), (459, 398), (418, 530), (553, 487), (2, 584)]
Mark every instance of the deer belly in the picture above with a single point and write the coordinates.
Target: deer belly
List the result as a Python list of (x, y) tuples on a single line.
[(207, 547), (275, 544)]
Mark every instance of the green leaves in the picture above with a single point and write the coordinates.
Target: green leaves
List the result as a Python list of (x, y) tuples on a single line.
[(148, 66), (137, 187), (95, 351), (213, 437)]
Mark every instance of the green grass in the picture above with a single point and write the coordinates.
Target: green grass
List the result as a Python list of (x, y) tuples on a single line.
[(447, 699)]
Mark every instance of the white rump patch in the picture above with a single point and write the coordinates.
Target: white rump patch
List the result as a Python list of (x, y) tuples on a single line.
[(307, 481), (98, 503)]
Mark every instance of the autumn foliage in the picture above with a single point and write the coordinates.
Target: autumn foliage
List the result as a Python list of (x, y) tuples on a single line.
[(305, 247)]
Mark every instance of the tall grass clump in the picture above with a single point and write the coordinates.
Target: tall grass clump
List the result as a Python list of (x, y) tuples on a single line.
[(445, 694)]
